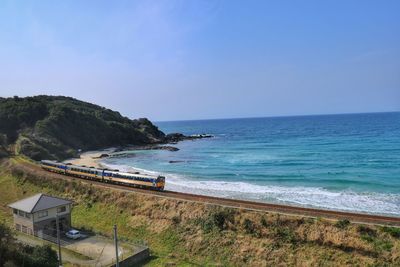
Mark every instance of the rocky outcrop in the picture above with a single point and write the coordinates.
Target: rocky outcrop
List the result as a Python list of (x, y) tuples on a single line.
[(177, 137)]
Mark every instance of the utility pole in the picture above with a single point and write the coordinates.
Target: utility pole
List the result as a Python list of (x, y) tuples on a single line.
[(58, 242), (116, 245)]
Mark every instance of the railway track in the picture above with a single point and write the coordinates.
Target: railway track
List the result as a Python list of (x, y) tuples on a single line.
[(235, 203)]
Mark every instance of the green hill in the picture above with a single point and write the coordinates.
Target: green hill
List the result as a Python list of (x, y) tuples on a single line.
[(56, 127)]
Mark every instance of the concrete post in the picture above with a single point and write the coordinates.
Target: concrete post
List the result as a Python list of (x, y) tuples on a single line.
[(116, 245)]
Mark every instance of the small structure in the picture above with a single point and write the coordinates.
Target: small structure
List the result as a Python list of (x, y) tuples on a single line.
[(36, 215)]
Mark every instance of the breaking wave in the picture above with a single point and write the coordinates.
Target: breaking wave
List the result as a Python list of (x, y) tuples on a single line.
[(316, 197)]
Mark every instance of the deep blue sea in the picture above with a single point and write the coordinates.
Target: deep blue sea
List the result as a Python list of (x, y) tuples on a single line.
[(341, 162)]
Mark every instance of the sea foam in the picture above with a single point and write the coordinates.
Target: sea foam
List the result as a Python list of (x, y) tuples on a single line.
[(315, 197)]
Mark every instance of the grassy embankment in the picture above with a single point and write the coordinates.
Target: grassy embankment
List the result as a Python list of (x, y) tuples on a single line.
[(193, 234)]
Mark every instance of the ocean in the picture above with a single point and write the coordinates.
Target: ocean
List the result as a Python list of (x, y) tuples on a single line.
[(341, 162)]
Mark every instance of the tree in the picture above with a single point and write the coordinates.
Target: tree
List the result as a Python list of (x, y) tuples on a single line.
[(16, 254), (7, 242)]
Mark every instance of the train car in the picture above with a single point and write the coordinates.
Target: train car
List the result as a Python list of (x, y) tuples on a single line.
[(105, 175), (54, 166), (139, 180)]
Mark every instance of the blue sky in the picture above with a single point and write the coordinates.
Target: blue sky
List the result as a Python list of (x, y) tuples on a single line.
[(172, 60)]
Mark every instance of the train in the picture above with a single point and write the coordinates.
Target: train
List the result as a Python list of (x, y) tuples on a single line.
[(106, 175)]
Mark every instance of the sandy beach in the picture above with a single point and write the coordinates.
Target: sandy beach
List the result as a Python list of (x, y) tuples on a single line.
[(90, 158)]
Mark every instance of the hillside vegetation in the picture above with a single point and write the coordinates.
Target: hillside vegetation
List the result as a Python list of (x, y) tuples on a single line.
[(183, 233), (56, 127), (13, 253)]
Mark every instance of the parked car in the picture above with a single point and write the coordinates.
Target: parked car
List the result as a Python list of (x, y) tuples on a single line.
[(73, 234)]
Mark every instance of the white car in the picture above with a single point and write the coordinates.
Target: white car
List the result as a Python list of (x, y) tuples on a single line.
[(73, 234)]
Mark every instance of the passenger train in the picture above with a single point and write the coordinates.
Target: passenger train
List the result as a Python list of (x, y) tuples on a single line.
[(105, 175)]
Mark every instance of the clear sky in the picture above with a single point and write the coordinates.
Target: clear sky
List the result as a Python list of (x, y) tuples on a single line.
[(172, 60)]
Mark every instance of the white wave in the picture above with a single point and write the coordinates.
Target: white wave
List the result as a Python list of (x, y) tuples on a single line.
[(316, 197), (304, 196)]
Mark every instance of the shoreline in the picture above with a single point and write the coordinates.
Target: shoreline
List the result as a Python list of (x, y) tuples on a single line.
[(92, 158), (237, 203)]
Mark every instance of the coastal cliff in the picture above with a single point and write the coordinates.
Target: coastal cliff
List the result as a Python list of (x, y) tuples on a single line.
[(58, 127)]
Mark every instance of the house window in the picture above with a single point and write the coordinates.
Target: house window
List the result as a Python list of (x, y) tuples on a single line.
[(42, 214), (61, 209), (15, 211), (27, 215), (21, 213)]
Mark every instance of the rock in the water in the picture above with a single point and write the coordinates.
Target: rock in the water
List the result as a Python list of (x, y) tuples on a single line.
[(176, 137), (176, 161)]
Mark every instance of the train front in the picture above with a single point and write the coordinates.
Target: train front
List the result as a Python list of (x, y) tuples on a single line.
[(160, 184)]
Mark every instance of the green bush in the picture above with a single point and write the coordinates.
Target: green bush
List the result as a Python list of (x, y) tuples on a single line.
[(37, 256), (342, 224), (217, 219), (13, 253), (393, 231), (286, 235), (382, 245)]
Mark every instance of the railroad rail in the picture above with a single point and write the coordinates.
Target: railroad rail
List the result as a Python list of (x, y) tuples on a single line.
[(234, 203)]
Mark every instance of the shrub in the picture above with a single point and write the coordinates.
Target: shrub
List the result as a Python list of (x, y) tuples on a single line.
[(248, 226), (41, 256), (286, 235), (218, 219), (176, 219), (264, 222), (393, 231), (342, 224), (369, 235), (365, 230), (382, 245), (13, 253), (17, 173)]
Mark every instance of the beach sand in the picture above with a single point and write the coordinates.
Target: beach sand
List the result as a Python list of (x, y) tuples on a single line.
[(90, 158)]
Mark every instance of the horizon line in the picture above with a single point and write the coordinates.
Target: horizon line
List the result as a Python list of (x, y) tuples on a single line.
[(282, 116)]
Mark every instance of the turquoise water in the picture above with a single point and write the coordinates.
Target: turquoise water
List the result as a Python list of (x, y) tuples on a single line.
[(341, 162)]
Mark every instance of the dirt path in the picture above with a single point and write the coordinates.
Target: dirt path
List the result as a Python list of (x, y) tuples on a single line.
[(355, 217)]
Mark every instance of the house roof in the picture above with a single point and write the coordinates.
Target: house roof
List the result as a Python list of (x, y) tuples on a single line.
[(39, 202)]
